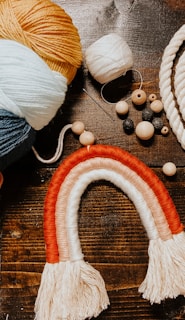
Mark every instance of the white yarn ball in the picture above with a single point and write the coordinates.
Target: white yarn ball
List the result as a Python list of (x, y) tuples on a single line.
[(108, 58), (28, 87)]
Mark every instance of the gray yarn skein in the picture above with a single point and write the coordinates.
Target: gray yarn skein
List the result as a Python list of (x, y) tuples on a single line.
[(16, 138)]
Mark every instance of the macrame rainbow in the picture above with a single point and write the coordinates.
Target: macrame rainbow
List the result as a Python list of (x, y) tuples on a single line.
[(71, 288)]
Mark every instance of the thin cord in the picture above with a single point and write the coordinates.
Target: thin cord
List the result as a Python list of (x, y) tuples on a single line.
[(59, 147), (98, 105), (102, 88)]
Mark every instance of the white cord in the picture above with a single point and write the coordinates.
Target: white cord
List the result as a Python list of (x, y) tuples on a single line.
[(102, 88), (165, 85), (59, 149)]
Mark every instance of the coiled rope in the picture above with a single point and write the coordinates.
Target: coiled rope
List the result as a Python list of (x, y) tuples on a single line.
[(174, 113)]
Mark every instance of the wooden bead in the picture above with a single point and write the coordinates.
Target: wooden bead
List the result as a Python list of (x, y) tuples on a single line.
[(87, 138), (169, 169), (164, 130), (138, 97), (156, 106), (78, 127), (122, 107), (152, 97), (144, 130)]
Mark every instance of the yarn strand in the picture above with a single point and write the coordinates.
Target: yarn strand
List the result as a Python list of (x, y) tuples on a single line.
[(59, 149), (104, 85)]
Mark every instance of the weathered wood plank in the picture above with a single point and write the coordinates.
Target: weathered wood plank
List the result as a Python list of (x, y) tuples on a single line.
[(112, 237)]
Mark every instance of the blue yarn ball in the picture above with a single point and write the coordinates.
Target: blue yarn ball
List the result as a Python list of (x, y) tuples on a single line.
[(16, 138)]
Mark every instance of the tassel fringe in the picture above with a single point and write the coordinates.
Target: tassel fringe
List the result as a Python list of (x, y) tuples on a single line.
[(165, 276), (71, 291)]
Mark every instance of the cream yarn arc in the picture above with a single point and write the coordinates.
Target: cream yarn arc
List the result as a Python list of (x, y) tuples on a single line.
[(165, 84)]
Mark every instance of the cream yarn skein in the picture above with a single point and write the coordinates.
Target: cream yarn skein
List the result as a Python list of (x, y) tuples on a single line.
[(28, 87), (108, 58)]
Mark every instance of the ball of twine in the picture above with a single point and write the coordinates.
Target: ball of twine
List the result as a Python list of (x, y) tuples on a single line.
[(45, 28), (108, 58)]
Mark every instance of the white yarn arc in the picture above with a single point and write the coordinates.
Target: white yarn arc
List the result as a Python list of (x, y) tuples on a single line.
[(174, 113)]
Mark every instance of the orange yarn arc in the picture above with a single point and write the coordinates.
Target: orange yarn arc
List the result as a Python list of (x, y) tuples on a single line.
[(123, 157), (45, 28)]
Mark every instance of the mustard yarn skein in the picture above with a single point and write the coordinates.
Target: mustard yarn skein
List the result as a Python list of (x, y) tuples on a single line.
[(47, 29)]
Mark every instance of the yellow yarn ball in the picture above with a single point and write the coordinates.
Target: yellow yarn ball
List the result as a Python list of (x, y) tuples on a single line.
[(45, 28)]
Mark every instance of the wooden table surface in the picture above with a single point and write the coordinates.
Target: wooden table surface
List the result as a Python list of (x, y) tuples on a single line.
[(112, 236)]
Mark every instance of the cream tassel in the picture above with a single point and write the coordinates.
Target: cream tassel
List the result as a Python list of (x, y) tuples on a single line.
[(165, 276), (71, 291)]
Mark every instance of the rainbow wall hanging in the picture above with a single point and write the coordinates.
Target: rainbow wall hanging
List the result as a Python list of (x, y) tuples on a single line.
[(70, 287)]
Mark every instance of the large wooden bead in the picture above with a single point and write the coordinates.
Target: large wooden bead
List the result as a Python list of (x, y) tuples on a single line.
[(78, 127), (156, 106), (144, 130), (138, 97), (87, 138), (122, 107), (169, 169)]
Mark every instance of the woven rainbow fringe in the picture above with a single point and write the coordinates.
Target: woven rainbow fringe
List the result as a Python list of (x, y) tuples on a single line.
[(71, 289)]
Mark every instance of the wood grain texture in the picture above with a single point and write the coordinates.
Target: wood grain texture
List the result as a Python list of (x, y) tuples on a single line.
[(112, 237)]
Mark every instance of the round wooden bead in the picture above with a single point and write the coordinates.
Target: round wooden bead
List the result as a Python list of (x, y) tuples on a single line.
[(164, 130), (169, 169), (87, 138), (156, 106), (78, 127), (122, 107), (152, 97), (138, 97), (144, 130)]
